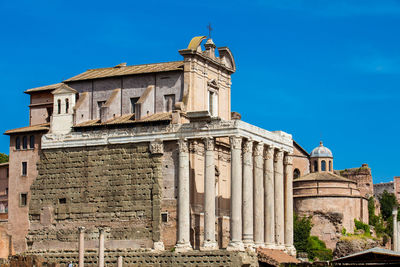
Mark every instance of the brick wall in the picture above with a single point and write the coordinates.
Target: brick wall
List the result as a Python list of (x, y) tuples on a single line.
[(363, 177), (114, 186)]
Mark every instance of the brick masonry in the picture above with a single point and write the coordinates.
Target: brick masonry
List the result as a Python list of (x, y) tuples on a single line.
[(115, 187)]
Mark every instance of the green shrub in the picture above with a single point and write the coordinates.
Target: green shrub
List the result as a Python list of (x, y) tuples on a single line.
[(317, 249), (344, 231), (3, 158), (362, 226)]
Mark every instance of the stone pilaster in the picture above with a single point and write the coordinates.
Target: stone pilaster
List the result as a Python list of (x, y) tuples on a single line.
[(183, 242), (279, 200), (81, 246), (248, 238), (288, 163), (236, 195), (101, 247), (269, 198), (258, 195), (209, 196)]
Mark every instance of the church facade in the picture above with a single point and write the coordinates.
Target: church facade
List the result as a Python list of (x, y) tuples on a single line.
[(152, 156)]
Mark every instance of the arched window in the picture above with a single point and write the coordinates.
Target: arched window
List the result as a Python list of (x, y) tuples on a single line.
[(323, 165), (315, 166), (66, 105), (330, 165), (59, 106), (17, 143), (296, 173)]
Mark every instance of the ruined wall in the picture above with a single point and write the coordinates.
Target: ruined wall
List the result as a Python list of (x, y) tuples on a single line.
[(363, 177), (301, 161), (114, 186)]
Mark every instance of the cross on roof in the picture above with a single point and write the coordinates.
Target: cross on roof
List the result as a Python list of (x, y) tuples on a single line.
[(209, 30)]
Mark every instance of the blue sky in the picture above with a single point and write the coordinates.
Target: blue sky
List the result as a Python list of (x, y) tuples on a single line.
[(321, 69)]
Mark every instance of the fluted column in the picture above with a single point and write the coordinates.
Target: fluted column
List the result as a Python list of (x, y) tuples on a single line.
[(248, 238), (101, 247), (183, 243), (288, 162), (279, 200), (209, 196), (269, 198), (81, 246), (258, 195), (236, 194), (395, 230)]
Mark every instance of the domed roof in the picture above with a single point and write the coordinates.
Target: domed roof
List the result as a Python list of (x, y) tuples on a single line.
[(321, 152)]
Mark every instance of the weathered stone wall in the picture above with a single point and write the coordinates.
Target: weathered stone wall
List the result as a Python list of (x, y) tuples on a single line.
[(363, 177), (113, 186)]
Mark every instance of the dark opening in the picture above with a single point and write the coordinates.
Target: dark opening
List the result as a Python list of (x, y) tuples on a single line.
[(17, 143), (59, 106), (66, 105), (164, 217), (134, 100), (62, 200), (323, 165), (24, 142), (32, 141), (315, 166), (24, 168), (24, 199), (296, 173)]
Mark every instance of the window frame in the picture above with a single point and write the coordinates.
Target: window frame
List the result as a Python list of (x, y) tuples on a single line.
[(21, 196), (32, 142), (24, 168)]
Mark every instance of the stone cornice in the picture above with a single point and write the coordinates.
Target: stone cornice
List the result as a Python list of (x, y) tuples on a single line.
[(193, 130)]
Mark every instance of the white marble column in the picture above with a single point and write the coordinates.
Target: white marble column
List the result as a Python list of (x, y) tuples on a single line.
[(81, 246), (183, 242), (101, 247), (120, 261), (395, 230), (288, 163), (209, 196), (269, 198), (248, 239), (279, 201), (258, 195), (236, 195)]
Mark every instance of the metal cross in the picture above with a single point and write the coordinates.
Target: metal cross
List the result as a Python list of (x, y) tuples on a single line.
[(209, 30)]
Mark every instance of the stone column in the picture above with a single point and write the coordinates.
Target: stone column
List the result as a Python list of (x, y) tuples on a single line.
[(279, 201), (288, 162), (209, 196), (119, 264), (248, 238), (236, 195), (395, 230), (269, 198), (81, 246), (258, 195), (183, 243), (101, 247)]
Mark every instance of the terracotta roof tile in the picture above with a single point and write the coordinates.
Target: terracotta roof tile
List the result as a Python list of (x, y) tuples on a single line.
[(33, 128), (127, 119), (127, 70), (322, 176), (275, 257), (43, 88)]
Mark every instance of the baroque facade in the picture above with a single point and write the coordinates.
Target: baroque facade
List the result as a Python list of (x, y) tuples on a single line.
[(153, 156)]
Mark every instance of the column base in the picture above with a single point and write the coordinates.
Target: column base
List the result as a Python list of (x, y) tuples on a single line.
[(235, 246), (209, 245), (259, 245), (291, 250), (249, 245), (183, 247), (280, 247), (270, 246), (158, 246)]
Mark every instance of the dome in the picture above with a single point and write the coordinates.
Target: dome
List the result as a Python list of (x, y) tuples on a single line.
[(321, 152)]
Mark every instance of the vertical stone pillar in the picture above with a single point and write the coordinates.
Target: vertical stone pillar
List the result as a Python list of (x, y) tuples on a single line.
[(269, 198), (119, 264), (258, 195), (209, 196), (279, 201), (395, 230), (183, 243), (101, 247), (248, 238), (236, 194), (288, 163), (81, 246)]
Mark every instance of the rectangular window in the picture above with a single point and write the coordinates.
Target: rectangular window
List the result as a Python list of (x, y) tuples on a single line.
[(7, 191), (134, 100), (17, 143), (24, 168), (49, 113), (23, 199), (32, 141), (99, 105), (169, 103), (25, 142)]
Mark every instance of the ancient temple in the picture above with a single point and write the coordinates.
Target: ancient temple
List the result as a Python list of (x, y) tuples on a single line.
[(153, 156)]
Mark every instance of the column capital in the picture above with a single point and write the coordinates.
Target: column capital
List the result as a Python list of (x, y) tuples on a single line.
[(101, 230), (278, 155), (248, 146), (81, 229), (259, 150), (236, 142), (269, 153), (288, 160), (183, 146), (209, 143), (156, 147)]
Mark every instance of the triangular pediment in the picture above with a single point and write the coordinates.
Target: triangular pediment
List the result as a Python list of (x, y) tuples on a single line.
[(64, 89), (213, 83)]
